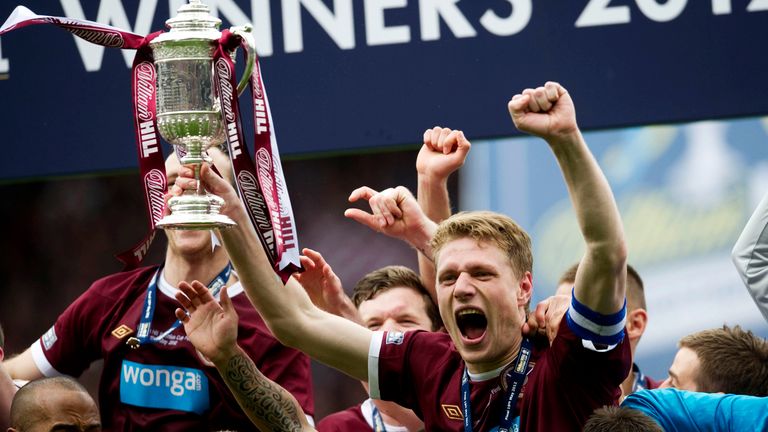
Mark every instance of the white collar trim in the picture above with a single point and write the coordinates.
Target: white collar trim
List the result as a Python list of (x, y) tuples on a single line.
[(485, 376), (170, 291)]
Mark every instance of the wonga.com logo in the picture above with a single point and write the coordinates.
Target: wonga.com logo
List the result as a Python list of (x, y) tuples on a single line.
[(164, 386)]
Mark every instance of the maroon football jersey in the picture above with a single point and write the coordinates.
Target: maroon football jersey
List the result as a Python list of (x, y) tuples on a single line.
[(164, 385), (355, 419), (565, 383)]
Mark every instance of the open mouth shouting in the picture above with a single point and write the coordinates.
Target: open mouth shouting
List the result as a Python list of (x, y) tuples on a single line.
[(472, 325)]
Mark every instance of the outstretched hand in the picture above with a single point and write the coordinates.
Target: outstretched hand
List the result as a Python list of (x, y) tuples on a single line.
[(444, 151), (546, 112), (210, 326), (394, 212), (323, 286), (211, 182)]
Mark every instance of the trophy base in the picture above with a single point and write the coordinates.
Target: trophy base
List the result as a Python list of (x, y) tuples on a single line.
[(195, 222), (195, 212)]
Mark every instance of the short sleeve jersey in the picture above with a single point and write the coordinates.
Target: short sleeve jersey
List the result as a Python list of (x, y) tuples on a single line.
[(164, 385), (565, 382)]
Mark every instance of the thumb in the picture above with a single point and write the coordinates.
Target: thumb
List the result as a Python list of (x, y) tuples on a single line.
[(226, 302)]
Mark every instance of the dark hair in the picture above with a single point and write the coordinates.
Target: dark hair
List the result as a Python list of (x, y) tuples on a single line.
[(395, 276), (635, 287), (25, 402), (620, 419), (731, 360)]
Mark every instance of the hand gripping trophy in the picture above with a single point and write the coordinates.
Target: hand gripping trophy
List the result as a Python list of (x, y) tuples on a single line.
[(188, 109)]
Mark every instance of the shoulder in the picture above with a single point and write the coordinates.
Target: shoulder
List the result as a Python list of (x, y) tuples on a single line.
[(349, 419), (122, 284)]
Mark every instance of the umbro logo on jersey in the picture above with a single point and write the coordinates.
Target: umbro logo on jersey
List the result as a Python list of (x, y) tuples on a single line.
[(122, 331), (453, 412)]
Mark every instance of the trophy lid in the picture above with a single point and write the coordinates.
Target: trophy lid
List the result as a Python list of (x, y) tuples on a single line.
[(192, 21)]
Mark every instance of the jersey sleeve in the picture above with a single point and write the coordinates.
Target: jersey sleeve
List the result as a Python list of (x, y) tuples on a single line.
[(74, 340), (392, 368), (750, 256)]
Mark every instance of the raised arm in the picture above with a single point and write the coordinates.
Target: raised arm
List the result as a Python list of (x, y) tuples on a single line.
[(444, 151), (750, 256), (548, 112), (287, 310), (212, 328)]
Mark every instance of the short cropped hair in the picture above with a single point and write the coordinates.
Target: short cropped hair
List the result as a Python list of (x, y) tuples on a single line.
[(395, 276), (731, 360), (497, 229), (25, 403), (635, 287), (620, 419)]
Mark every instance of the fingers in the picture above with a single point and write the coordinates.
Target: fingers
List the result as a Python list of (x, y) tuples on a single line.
[(363, 218), (363, 192), (226, 302), (181, 314)]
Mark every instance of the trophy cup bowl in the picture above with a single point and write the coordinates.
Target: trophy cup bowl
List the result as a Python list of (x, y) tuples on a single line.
[(188, 111)]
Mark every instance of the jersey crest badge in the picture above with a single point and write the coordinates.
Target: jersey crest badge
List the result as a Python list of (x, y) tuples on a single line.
[(49, 338), (122, 331), (395, 338)]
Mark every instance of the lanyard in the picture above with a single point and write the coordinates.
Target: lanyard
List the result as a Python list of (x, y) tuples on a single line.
[(378, 422), (514, 385), (150, 301)]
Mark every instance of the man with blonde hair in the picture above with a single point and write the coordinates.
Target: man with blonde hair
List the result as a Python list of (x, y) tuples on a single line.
[(471, 378)]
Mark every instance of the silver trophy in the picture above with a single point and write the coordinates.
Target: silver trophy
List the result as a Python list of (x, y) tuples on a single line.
[(188, 108)]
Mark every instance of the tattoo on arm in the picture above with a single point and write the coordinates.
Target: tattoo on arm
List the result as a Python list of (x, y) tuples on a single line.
[(267, 404)]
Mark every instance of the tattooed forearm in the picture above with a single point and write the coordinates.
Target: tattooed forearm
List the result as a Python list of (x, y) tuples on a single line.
[(267, 404)]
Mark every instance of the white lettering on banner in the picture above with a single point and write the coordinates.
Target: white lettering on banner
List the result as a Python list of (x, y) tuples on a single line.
[(145, 90), (263, 169), (148, 139), (513, 24), (376, 30), (255, 201), (430, 12), (757, 6), (337, 19), (661, 12), (156, 186), (338, 24), (261, 116), (110, 12), (224, 74), (178, 382), (5, 65)]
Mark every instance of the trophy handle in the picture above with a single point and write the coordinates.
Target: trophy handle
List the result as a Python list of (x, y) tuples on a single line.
[(244, 32)]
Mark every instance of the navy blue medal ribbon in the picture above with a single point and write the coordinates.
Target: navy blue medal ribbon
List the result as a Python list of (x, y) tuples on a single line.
[(378, 422), (150, 301), (514, 379)]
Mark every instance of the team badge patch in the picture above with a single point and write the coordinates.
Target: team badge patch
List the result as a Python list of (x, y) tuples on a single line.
[(122, 331), (453, 412), (395, 338), (49, 338)]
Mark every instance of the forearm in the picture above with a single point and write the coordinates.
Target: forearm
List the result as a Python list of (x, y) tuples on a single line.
[(600, 279), (268, 405), (750, 256), (432, 195)]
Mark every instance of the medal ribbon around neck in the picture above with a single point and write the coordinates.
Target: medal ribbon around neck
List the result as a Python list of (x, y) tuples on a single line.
[(150, 301), (514, 385)]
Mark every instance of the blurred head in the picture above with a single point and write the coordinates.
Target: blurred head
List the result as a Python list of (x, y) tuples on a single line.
[(722, 360), (483, 262), (620, 419), (194, 242), (637, 315), (393, 298), (54, 404)]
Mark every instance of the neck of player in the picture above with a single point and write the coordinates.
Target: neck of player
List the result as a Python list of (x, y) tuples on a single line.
[(201, 267)]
